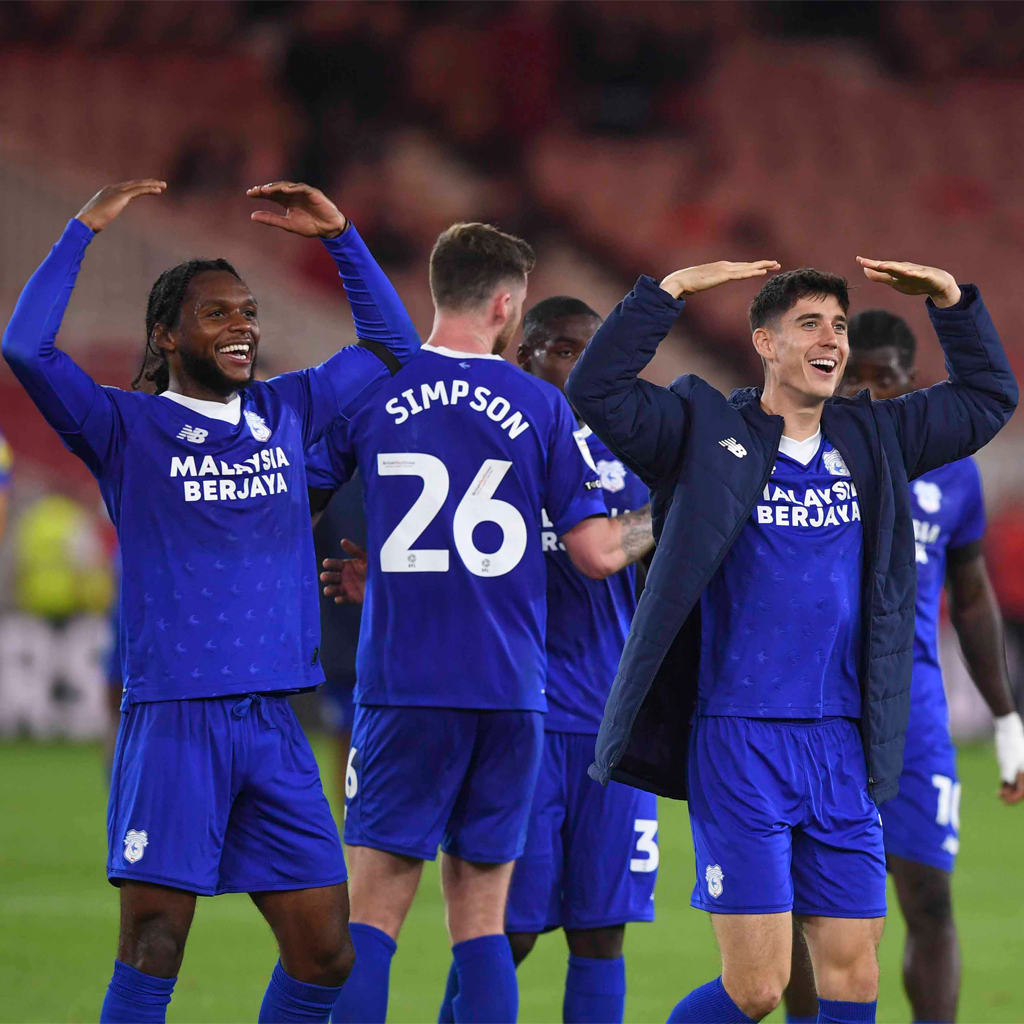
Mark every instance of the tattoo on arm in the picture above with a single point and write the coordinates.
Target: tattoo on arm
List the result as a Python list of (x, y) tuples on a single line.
[(637, 538)]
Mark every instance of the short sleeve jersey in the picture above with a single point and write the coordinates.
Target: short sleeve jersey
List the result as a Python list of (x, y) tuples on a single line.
[(949, 513), (781, 617), (459, 454), (588, 620)]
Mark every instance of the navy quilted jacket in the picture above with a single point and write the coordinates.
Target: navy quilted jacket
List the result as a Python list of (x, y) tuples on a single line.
[(702, 495)]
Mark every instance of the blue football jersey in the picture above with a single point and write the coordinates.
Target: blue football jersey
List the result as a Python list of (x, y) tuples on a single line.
[(949, 513), (459, 454), (219, 592), (219, 579), (781, 616), (588, 620)]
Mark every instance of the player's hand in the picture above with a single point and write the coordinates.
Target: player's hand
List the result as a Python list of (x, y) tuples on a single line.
[(345, 578), (307, 211), (110, 201), (913, 279), (1010, 755), (711, 275)]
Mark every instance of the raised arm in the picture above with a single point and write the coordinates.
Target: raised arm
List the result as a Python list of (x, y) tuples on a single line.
[(387, 335), (951, 420), (70, 400), (644, 424)]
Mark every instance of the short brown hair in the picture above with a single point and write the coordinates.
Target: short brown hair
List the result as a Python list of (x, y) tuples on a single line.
[(469, 261)]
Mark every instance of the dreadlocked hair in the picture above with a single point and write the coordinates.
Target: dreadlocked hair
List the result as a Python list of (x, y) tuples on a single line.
[(163, 308)]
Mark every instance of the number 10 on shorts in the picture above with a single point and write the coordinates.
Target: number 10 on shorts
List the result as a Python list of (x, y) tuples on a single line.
[(948, 812)]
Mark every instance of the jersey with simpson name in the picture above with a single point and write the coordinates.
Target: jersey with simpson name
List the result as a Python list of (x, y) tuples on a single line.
[(949, 513), (458, 455), (588, 620), (219, 586), (780, 619)]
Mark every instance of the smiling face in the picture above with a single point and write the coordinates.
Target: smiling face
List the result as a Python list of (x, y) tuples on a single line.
[(806, 348), (215, 340), (553, 349)]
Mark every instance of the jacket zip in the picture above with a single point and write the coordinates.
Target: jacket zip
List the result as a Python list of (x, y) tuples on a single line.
[(866, 630), (725, 550)]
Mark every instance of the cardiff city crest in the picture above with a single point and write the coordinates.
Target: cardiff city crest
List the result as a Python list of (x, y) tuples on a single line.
[(135, 843), (714, 875), (258, 425)]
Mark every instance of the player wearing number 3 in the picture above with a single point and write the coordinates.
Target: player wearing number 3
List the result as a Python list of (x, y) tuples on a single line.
[(459, 456)]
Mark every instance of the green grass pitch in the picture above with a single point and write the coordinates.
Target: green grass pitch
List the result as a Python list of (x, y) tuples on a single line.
[(58, 915)]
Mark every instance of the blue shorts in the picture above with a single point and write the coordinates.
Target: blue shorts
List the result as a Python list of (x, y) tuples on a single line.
[(591, 854), (782, 819), (922, 823), (219, 795), (461, 779)]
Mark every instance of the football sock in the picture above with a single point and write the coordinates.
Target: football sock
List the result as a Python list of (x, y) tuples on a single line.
[(834, 1011), (446, 1015), (595, 991), (287, 999), (488, 991), (709, 1004), (364, 999), (136, 998)]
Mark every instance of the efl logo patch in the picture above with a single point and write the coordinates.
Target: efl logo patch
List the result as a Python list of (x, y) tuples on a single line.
[(257, 425), (734, 446), (194, 434), (713, 876), (135, 843)]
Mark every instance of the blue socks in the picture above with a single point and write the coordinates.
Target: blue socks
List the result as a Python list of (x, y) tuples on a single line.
[(595, 991), (487, 987), (289, 1000), (709, 1004), (364, 999), (834, 1011), (446, 1015), (136, 998)]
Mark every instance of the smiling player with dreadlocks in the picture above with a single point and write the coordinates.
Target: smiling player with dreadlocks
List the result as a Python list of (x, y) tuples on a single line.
[(214, 787)]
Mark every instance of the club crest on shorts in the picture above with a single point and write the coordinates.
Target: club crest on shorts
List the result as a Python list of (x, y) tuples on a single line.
[(834, 462), (258, 425), (713, 875), (135, 843)]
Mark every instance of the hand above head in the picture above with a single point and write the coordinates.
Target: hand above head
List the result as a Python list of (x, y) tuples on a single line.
[(110, 201), (711, 275), (913, 279), (308, 211), (345, 578)]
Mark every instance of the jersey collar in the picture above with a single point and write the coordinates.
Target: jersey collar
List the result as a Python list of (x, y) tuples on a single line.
[(452, 354), (229, 412)]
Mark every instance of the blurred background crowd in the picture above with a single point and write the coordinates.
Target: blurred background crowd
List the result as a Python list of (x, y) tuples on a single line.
[(618, 137)]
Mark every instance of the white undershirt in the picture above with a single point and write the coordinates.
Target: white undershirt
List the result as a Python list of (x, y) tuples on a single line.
[(229, 412), (802, 451)]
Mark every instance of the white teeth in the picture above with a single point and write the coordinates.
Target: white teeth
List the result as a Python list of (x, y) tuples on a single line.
[(235, 348), (824, 364)]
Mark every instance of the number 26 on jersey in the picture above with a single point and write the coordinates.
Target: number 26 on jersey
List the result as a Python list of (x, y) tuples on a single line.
[(478, 505)]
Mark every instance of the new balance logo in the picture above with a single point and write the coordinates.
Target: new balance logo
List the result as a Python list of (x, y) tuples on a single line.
[(194, 434), (734, 446)]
